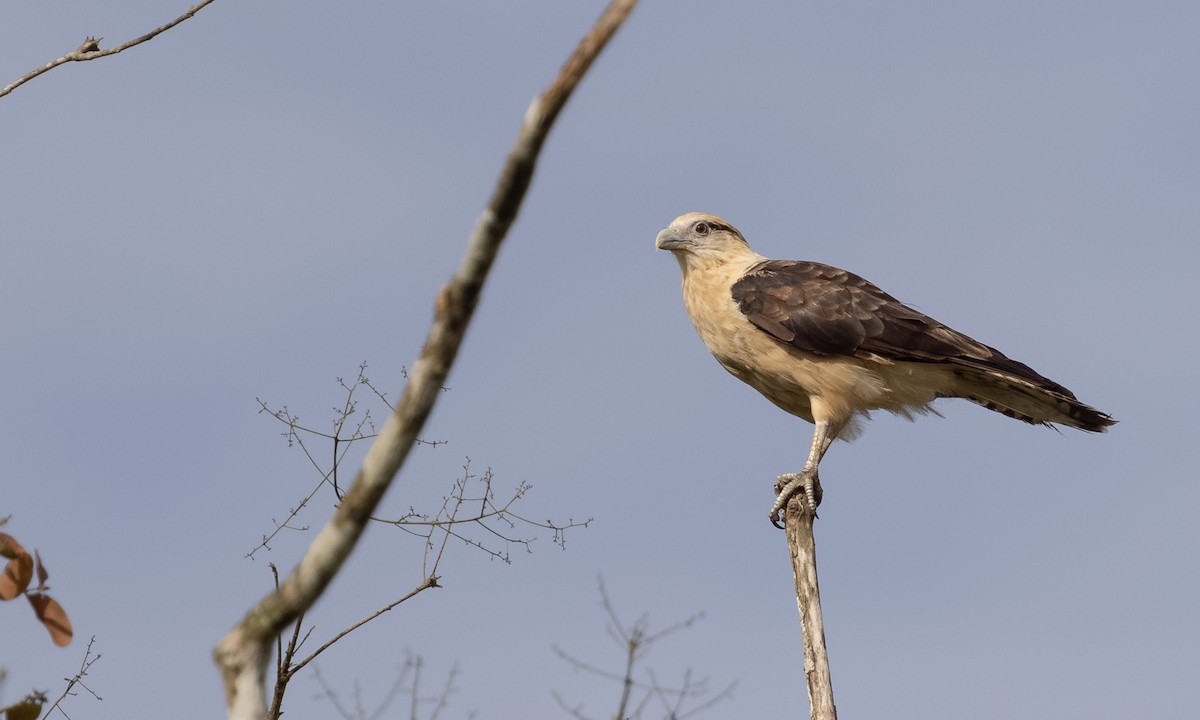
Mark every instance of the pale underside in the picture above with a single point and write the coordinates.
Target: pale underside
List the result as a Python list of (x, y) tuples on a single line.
[(810, 386)]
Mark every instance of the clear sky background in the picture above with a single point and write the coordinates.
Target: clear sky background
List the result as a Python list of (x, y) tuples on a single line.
[(257, 201)]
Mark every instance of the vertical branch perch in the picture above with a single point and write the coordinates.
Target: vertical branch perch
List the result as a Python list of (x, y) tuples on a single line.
[(808, 598), (242, 655)]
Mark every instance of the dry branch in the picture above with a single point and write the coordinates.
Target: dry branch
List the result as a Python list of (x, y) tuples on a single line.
[(90, 49), (803, 548), (243, 654), (636, 640)]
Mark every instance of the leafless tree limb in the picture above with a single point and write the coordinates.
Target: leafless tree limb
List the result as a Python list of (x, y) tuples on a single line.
[(639, 632), (242, 655), (687, 690), (341, 442), (801, 543), (408, 681), (332, 696), (77, 679), (90, 49), (458, 508), (673, 700), (636, 640), (351, 425), (286, 664), (429, 583)]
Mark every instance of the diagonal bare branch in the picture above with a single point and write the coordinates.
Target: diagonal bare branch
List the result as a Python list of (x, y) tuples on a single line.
[(90, 49), (242, 654)]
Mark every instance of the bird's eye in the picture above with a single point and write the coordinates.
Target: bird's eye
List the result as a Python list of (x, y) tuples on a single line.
[(702, 228)]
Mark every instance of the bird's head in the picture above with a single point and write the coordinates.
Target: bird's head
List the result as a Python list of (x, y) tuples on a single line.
[(700, 239)]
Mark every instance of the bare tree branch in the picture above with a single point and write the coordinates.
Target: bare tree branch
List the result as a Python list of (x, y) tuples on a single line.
[(493, 518), (801, 543), (430, 582), (689, 690), (636, 640), (332, 696), (242, 654), (363, 429), (459, 508), (90, 49), (407, 682), (77, 679)]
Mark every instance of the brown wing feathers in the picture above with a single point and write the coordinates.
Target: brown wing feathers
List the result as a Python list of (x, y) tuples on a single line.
[(827, 311)]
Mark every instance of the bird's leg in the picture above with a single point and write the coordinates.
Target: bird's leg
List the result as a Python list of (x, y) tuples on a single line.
[(791, 483)]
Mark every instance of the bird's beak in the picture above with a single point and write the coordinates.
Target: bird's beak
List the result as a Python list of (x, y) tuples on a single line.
[(668, 239)]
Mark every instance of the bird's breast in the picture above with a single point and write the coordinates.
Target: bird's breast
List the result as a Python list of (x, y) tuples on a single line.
[(788, 376)]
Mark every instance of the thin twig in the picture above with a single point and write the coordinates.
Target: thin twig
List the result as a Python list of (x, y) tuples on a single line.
[(416, 687), (332, 696), (393, 692), (636, 640), (808, 600), (288, 667), (90, 49), (88, 661), (430, 582), (725, 694)]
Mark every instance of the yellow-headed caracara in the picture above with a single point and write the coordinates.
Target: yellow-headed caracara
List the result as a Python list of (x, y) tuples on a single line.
[(828, 346)]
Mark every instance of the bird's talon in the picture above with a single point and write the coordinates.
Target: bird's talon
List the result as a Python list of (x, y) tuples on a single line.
[(789, 485)]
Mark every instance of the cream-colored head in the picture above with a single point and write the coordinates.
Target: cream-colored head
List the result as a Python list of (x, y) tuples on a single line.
[(701, 240)]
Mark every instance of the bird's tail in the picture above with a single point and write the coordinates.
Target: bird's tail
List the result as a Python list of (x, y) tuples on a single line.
[(1038, 403)]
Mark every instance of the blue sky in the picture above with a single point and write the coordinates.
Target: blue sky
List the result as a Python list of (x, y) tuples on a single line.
[(254, 203)]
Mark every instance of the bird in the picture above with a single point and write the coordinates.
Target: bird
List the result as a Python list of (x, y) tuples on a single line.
[(828, 346)]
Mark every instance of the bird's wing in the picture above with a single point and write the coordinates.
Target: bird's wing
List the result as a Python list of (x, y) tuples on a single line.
[(827, 311)]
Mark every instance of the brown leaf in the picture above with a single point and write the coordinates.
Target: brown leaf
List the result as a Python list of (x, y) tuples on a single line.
[(53, 617), (16, 576), (9, 547), (41, 569)]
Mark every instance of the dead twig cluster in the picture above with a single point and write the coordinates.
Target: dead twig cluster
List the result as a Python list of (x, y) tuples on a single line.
[(639, 695), (469, 514), (407, 682)]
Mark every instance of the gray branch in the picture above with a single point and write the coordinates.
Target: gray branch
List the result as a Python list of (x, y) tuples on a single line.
[(90, 49), (242, 655), (803, 549)]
